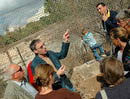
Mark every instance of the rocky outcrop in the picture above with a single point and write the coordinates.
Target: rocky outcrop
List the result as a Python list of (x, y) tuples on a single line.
[(84, 79)]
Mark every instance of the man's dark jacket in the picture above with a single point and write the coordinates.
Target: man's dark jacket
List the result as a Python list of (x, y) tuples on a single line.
[(111, 22), (126, 58), (55, 58)]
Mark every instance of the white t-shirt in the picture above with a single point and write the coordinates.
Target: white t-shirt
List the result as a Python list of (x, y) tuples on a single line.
[(119, 56)]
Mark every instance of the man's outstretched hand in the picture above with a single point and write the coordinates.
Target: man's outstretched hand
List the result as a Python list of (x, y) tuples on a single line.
[(66, 36), (61, 70)]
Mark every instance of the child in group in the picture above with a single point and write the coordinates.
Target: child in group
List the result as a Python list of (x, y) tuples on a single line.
[(89, 39)]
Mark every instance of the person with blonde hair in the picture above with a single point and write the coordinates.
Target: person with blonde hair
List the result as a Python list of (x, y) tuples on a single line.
[(92, 43), (44, 78), (113, 73), (119, 38)]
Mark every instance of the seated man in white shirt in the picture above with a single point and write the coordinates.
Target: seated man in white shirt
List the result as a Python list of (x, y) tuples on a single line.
[(18, 87)]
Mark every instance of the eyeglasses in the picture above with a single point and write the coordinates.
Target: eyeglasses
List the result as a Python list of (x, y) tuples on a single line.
[(41, 47), (20, 69), (120, 20)]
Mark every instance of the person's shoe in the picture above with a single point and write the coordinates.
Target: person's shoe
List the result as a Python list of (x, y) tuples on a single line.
[(99, 60), (103, 55), (108, 53)]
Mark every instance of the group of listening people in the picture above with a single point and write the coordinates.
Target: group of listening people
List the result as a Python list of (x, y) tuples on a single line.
[(115, 69), (48, 71)]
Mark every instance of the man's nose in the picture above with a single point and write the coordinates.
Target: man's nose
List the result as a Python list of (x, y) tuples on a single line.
[(99, 10), (118, 23), (44, 46)]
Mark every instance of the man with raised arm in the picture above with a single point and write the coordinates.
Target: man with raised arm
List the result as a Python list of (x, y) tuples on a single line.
[(43, 56)]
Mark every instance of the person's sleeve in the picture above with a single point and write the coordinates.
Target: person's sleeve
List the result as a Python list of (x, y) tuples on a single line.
[(98, 96), (32, 69), (71, 94), (84, 41), (10, 95), (64, 51), (126, 58), (56, 76), (127, 66), (112, 20)]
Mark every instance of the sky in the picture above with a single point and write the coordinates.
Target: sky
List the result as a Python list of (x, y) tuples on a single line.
[(7, 5), (16, 12)]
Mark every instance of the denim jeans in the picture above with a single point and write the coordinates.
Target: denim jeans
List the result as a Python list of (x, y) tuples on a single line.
[(97, 45)]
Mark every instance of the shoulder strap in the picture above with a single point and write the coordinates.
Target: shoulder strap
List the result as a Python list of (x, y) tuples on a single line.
[(103, 94)]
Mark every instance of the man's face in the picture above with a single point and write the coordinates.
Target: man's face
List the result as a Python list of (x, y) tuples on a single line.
[(19, 73), (101, 9), (40, 48), (122, 23)]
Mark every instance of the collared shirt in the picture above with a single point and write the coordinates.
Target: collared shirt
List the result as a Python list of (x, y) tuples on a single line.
[(26, 86)]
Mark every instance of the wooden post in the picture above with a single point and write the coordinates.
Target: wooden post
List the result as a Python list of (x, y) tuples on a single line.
[(22, 60), (21, 57)]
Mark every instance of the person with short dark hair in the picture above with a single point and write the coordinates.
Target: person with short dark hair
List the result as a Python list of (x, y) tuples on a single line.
[(108, 17), (108, 22), (43, 56), (44, 78), (113, 74)]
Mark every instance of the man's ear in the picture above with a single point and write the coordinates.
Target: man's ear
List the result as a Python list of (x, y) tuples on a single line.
[(51, 76), (14, 76), (35, 51), (118, 40), (105, 9)]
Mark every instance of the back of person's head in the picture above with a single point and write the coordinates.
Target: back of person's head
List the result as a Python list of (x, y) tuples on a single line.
[(120, 33), (113, 71), (123, 14), (42, 74), (33, 44), (83, 31), (101, 3)]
